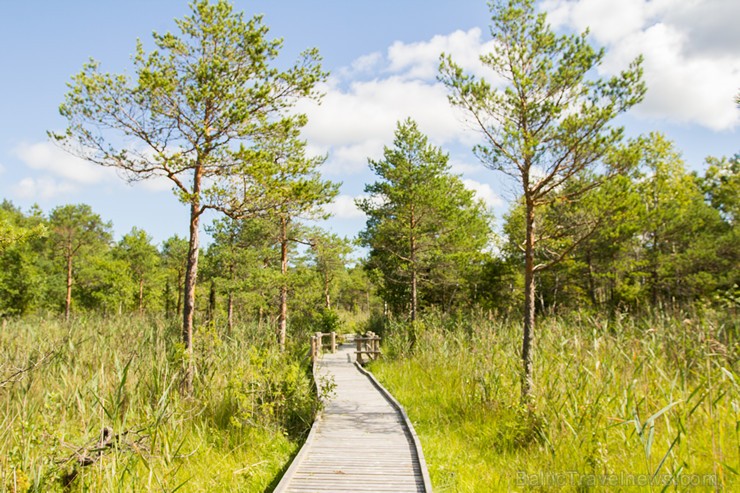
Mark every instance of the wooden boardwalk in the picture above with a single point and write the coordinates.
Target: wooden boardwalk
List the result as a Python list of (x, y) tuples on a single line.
[(362, 441)]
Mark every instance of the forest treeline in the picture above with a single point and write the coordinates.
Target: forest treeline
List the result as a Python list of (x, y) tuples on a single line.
[(632, 255), (671, 238), (68, 260)]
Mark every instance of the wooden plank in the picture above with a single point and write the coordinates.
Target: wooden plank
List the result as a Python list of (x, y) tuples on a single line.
[(362, 441)]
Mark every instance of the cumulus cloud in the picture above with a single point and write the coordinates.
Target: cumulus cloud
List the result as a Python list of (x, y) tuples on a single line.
[(686, 89), (362, 65), (692, 65), (354, 124), (484, 192), (46, 157), (358, 116), (352, 159), (344, 207), (42, 188), (420, 60), (368, 110)]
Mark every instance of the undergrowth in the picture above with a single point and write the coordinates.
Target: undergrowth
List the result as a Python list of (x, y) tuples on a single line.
[(94, 405), (648, 403)]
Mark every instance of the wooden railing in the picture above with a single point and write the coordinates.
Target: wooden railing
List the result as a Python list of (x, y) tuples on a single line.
[(317, 344), (368, 345)]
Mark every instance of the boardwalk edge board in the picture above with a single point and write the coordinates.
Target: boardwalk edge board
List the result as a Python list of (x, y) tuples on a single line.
[(324, 482), (296, 462), (407, 422)]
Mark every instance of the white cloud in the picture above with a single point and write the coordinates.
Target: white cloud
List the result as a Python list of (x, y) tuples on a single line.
[(42, 188), (155, 184), (357, 117), (352, 159), (692, 64), (344, 207), (421, 60), (465, 167), (362, 65), (46, 157), (686, 89), (484, 192), (354, 124)]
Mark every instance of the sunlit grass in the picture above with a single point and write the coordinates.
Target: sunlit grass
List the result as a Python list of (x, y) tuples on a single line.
[(618, 405), (95, 405)]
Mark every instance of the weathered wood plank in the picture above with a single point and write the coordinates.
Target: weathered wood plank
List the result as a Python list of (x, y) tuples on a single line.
[(361, 442)]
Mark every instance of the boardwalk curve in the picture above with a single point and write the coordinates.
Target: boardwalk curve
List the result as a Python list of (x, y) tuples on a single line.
[(362, 441)]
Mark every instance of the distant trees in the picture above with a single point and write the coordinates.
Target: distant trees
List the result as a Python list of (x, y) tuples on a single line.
[(550, 125), (330, 254), (424, 229), (76, 230), (668, 241), (23, 284), (295, 190), (198, 112), (141, 258)]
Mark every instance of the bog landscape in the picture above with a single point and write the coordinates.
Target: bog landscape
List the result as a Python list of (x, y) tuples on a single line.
[(587, 338)]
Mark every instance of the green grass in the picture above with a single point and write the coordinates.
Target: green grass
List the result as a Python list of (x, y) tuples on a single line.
[(250, 408), (616, 404)]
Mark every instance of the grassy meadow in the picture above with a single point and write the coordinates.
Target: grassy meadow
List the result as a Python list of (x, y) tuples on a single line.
[(649, 404), (94, 405)]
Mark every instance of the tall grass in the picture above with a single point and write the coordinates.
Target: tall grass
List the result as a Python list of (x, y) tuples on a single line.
[(650, 403), (94, 405)]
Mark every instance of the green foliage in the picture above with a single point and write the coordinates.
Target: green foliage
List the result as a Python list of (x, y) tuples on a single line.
[(548, 128), (721, 184), (174, 252), (654, 396), (425, 231), (209, 110), (328, 321), (203, 104), (662, 243), (142, 261), (330, 255)]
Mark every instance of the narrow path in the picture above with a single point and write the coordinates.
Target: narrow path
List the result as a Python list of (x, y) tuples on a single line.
[(361, 441)]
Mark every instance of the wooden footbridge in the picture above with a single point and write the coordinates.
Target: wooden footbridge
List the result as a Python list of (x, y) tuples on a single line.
[(363, 440)]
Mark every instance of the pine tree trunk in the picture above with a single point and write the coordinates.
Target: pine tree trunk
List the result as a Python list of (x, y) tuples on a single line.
[(230, 302), (412, 253), (68, 301), (283, 319), (180, 289), (167, 300), (230, 314), (191, 276), (141, 296), (327, 296), (529, 305), (212, 301)]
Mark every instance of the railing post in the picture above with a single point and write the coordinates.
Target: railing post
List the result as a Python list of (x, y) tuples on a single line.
[(313, 349), (358, 340), (333, 342)]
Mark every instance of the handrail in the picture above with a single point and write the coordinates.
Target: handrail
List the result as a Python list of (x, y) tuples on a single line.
[(368, 345), (317, 344)]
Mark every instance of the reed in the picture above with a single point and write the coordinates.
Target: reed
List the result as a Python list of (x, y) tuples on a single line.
[(651, 403), (94, 405)]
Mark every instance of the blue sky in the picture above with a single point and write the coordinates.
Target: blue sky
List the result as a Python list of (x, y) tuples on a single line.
[(382, 55)]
